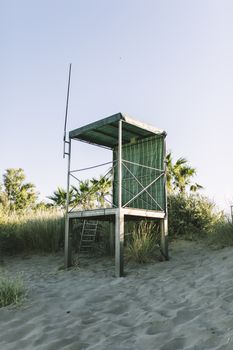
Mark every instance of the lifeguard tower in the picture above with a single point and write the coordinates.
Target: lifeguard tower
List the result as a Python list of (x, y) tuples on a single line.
[(138, 178)]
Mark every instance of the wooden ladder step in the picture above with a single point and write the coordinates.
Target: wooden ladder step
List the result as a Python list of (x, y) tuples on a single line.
[(88, 236)]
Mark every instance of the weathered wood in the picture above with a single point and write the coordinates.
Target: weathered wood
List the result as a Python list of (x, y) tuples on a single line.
[(96, 213), (111, 237), (68, 256), (144, 213), (164, 238), (138, 130), (119, 245), (93, 213)]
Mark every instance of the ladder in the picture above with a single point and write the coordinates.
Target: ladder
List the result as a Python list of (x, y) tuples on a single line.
[(88, 235)]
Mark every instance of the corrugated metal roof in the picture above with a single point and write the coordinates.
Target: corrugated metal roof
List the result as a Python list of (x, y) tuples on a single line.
[(104, 132)]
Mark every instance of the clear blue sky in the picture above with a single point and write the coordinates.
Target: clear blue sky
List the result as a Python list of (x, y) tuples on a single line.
[(167, 63)]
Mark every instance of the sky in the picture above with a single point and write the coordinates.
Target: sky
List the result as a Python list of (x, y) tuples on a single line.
[(168, 63)]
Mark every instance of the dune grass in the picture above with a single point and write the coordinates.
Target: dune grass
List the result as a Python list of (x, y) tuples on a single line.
[(144, 243), (41, 231), (222, 236), (12, 290)]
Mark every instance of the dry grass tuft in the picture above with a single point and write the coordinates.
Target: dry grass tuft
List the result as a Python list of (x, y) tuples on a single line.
[(143, 246), (12, 290)]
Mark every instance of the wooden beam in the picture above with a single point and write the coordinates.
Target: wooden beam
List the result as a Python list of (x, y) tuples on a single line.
[(105, 133), (92, 213), (144, 213), (164, 238), (119, 244), (96, 213), (111, 238), (68, 256), (127, 134)]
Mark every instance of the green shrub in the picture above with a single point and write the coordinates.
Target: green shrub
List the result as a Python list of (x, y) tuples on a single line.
[(222, 236), (191, 215), (144, 243), (12, 290)]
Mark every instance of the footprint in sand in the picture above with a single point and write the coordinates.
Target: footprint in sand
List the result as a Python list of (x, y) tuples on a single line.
[(126, 322), (159, 326), (186, 315), (174, 344), (89, 320), (228, 298), (117, 310)]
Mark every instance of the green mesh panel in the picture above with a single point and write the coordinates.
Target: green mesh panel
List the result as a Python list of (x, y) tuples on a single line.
[(148, 152)]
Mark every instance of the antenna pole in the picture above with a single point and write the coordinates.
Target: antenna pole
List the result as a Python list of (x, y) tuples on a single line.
[(66, 114)]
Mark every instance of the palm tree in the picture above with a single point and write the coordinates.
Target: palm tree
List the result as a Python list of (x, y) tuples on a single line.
[(102, 188), (76, 198), (169, 172), (182, 174), (179, 176), (86, 194), (59, 197)]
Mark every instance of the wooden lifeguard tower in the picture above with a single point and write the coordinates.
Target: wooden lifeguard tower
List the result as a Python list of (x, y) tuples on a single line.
[(138, 177)]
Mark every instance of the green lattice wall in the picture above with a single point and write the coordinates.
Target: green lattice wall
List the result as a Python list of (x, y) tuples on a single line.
[(148, 152)]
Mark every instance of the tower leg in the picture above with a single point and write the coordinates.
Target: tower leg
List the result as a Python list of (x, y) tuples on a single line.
[(111, 237), (164, 238), (119, 245), (68, 257)]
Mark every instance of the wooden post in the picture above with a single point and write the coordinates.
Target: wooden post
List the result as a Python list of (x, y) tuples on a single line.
[(164, 238), (164, 222), (119, 220), (111, 237), (68, 255), (119, 245), (68, 258)]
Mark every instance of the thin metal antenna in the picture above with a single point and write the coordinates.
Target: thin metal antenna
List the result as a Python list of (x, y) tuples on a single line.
[(66, 114)]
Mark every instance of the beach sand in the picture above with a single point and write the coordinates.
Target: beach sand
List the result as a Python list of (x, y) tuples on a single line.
[(183, 303)]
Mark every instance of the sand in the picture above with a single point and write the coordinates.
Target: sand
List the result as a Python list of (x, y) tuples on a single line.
[(185, 303)]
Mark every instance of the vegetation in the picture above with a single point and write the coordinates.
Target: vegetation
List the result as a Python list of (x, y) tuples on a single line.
[(12, 290), (144, 243), (192, 215), (179, 176), (59, 197), (16, 194), (88, 195), (222, 235), (40, 231), (102, 188), (29, 226)]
